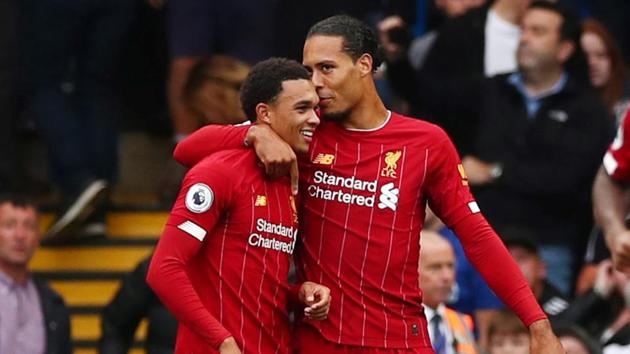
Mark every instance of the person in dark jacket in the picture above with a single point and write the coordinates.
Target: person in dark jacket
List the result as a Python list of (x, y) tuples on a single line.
[(33, 318), (134, 301), (468, 49), (541, 136)]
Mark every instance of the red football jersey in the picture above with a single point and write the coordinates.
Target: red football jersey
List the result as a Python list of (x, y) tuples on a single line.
[(221, 265), (617, 158), (364, 196)]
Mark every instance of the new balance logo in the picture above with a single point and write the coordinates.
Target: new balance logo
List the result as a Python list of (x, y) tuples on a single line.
[(324, 159), (389, 197)]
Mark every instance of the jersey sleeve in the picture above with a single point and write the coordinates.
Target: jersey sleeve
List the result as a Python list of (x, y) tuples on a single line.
[(489, 256), (617, 159), (450, 198), (208, 140), (446, 183), (204, 196)]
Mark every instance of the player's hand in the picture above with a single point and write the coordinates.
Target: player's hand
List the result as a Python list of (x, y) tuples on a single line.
[(393, 51), (275, 154), (604, 280), (477, 171), (543, 340), (620, 248), (229, 346), (316, 297)]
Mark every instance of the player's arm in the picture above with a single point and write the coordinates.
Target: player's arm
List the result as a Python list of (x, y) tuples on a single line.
[(275, 154), (450, 199), (199, 206), (610, 192)]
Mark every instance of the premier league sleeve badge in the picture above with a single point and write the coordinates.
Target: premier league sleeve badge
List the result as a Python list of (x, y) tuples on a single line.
[(199, 198)]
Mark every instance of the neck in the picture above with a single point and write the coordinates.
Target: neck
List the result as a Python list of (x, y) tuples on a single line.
[(507, 12), (539, 82), (369, 113), (432, 305), (19, 274)]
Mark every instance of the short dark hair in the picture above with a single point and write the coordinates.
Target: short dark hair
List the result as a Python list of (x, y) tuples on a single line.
[(505, 322), (574, 331), (570, 30), (358, 37), (525, 243), (18, 200), (264, 82)]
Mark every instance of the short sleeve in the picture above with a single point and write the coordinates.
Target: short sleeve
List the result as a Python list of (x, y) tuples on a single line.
[(447, 185), (617, 159), (205, 195)]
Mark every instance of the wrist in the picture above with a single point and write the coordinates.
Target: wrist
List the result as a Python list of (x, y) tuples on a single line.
[(250, 137), (540, 327)]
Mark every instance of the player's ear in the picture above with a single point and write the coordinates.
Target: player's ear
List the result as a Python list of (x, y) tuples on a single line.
[(365, 64), (263, 113)]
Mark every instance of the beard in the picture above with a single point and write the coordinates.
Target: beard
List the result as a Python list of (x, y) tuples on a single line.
[(336, 117)]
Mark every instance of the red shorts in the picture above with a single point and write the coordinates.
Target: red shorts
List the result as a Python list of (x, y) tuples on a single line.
[(307, 340)]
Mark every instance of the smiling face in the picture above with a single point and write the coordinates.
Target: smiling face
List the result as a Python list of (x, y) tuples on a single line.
[(292, 114), (336, 76)]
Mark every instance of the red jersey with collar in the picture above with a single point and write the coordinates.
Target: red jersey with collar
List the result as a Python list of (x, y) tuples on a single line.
[(617, 159), (364, 196), (221, 265)]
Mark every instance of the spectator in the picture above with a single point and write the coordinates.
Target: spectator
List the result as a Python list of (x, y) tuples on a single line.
[(72, 50), (607, 70), (34, 318), (134, 301), (420, 47), (507, 335), (488, 36), (576, 341), (527, 256), (241, 29), (451, 332), (604, 311), (540, 138), (211, 91)]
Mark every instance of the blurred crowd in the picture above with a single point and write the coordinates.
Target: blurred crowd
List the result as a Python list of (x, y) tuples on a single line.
[(531, 113)]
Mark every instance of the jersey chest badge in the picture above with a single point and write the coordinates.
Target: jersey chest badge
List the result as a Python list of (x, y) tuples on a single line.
[(391, 164)]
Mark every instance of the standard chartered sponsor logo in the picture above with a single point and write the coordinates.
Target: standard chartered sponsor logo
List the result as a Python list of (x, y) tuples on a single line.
[(387, 200), (257, 239), (350, 182)]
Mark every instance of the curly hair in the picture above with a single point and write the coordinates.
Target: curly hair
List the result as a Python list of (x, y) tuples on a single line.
[(264, 82)]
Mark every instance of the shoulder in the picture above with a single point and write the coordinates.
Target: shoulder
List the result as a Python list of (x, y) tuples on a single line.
[(417, 128), (47, 294), (226, 163)]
